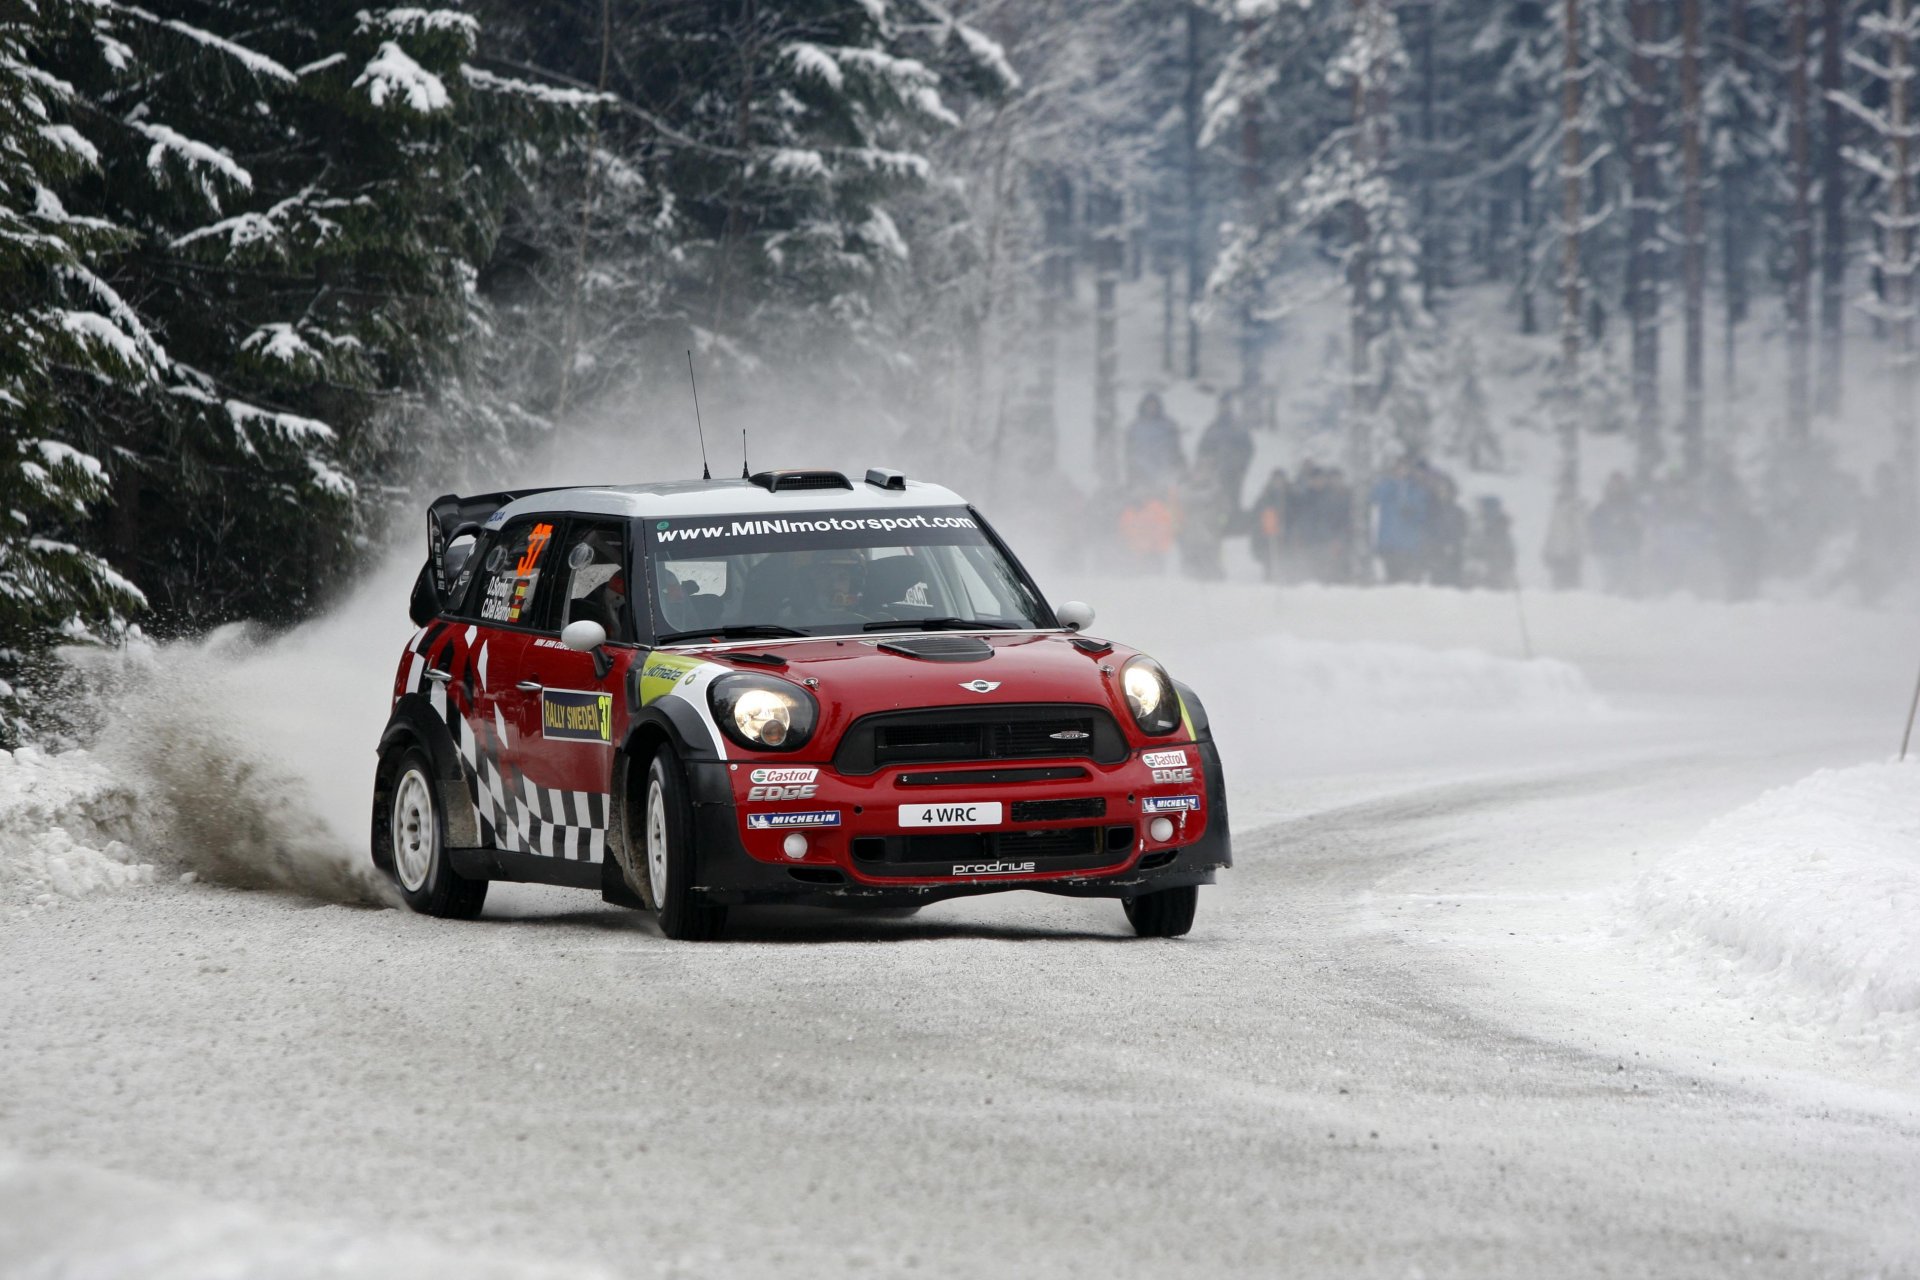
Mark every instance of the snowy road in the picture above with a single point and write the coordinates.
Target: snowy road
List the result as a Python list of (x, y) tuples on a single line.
[(1408, 1036), (988, 1087)]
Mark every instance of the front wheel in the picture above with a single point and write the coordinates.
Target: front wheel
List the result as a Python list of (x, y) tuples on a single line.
[(416, 837), (684, 915), (1167, 913)]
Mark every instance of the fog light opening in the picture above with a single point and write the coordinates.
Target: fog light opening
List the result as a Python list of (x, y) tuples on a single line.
[(795, 845), (1158, 829)]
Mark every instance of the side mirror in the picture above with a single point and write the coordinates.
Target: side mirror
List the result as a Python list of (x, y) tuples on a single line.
[(583, 636), (1075, 615), (425, 604)]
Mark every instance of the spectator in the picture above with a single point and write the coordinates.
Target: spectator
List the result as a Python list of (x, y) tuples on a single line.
[(1615, 531), (1491, 561), (1566, 538), (1270, 512), (1223, 456), (1155, 460), (1319, 523), (1446, 527), (1398, 506)]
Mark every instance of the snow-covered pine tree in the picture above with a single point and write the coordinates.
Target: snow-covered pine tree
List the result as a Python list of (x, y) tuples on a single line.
[(1893, 160), (741, 189), (60, 322), (309, 201)]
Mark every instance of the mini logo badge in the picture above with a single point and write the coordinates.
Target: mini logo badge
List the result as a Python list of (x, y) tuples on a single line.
[(981, 686), (1068, 735)]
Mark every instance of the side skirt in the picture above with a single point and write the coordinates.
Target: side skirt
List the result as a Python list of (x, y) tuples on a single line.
[(527, 868)]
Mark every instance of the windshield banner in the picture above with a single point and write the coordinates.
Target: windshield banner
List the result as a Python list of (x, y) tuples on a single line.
[(746, 534)]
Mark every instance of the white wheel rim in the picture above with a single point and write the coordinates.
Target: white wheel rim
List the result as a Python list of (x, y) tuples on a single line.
[(412, 830), (657, 839)]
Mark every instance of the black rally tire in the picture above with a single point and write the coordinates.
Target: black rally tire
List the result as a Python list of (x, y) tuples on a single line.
[(1166, 913), (416, 835), (668, 848)]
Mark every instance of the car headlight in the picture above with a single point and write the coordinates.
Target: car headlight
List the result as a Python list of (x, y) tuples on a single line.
[(763, 713), (1150, 696)]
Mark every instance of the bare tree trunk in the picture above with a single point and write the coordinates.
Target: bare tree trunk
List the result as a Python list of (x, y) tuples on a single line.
[(1363, 384), (1166, 322), (1432, 242), (570, 326), (1733, 221), (1253, 337), (1833, 211), (733, 229), (1799, 282), (1109, 254), (1643, 230), (1694, 250), (1056, 225), (1900, 259), (1196, 274), (1572, 211)]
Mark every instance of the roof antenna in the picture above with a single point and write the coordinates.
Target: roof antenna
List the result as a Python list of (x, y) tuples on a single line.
[(743, 455), (705, 473)]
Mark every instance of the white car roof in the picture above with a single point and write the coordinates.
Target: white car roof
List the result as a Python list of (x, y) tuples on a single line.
[(684, 498)]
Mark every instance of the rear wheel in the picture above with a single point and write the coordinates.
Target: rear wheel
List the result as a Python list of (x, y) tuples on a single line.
[(683, 914), (416, 832), (1167, 913)]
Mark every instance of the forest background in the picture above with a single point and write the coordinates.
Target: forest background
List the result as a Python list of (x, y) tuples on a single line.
[(272, 271)]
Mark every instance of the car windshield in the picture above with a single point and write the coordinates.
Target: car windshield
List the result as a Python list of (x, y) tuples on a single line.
[(833, 574)]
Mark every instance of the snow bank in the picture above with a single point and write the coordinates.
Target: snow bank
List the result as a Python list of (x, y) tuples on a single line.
[(1806, 900), (69, 828), (1364, 679)]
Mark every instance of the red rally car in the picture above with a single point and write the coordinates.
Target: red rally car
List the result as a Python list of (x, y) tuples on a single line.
[(788, 688)]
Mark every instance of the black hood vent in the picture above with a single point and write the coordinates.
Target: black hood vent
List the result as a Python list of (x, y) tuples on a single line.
[(940, 648)]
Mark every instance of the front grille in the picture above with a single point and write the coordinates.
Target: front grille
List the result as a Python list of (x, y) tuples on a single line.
[(1059, 810), (936, 853), (991, 777), (1004, 732)]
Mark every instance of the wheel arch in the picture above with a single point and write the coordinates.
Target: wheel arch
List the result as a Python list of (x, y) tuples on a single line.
[(415, 723)]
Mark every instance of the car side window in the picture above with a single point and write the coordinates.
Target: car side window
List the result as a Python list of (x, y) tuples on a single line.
[(596, 566), (510, 574)]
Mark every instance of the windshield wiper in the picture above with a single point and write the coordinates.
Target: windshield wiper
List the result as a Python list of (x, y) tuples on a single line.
[(942, 624), (738, 631)]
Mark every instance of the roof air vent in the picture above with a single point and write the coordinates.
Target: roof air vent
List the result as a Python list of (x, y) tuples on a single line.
[(788, 481), (885, 478)]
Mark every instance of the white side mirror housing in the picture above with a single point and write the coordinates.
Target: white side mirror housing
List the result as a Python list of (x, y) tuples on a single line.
[(584, 635), (1075, 615)]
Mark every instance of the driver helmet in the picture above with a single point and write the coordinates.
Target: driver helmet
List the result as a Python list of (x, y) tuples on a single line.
[(840, 577)]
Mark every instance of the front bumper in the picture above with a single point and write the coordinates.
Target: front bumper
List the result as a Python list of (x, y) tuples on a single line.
[(868, 858)]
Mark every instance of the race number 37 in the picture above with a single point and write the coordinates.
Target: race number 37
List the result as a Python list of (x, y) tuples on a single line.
[(958, 814)]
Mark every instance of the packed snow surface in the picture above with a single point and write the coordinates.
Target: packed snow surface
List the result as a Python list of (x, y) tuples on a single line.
[(1809, 897), (1423, 1025)]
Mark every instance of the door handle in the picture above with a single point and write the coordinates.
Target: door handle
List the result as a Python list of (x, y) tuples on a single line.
[(530, 686), (438, 676)]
